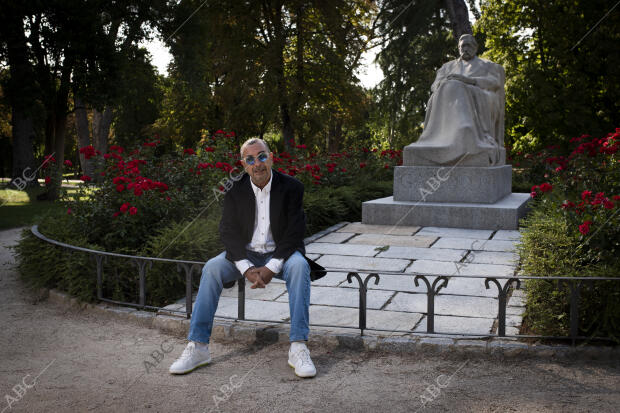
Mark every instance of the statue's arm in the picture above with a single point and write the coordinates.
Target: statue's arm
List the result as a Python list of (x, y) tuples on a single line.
[(493, 80)]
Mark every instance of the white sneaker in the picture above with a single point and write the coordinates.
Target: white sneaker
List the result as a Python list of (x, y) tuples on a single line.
[(192, 357), (299, 359)]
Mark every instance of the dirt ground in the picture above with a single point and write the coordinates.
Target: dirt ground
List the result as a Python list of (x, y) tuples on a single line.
[(53, 360)]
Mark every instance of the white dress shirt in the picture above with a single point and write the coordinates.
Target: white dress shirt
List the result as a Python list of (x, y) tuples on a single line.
[(262, 238)]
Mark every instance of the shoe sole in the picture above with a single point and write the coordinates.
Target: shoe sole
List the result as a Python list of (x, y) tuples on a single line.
[(299, 375), (190, 370)]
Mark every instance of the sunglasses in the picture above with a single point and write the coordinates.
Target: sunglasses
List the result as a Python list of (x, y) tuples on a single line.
[(262, 157)]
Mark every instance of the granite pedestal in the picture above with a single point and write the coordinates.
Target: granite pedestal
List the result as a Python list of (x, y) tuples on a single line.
[(474, 197)]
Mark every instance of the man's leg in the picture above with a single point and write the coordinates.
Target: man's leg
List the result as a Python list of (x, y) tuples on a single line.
[(215, 273), (296, 274)]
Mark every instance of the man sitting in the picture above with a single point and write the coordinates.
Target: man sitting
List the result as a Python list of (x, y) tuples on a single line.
[(262, 229)]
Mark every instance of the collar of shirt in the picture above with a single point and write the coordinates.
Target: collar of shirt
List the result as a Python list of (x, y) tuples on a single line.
[(266, 189)]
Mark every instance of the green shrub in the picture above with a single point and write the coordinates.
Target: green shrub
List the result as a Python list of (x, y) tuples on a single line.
[(42, 264), (550, 248), (192, 240)]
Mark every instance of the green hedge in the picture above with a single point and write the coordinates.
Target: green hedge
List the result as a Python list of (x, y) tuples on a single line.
[(548, 249)]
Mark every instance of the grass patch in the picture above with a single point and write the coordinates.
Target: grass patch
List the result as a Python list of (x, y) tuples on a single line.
[(21, 208)]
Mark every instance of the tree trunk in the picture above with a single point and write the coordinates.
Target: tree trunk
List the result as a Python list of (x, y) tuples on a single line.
[(101, 128), (20, 91), (288, 132), (459, 17), (81, 125), (23, 173), (60, 126)]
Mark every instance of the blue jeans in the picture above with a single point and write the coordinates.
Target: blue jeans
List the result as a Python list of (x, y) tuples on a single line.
[(218, 271)]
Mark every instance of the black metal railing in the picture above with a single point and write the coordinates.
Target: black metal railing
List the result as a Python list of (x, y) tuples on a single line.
[(434, 284)]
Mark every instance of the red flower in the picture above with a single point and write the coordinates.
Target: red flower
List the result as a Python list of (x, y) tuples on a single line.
[(585, 195), (386, 166), (210, 149), (608, 204), (362, 165), (48, 180), (302, 146), (533, 194), (68, 163), (86, 178), (585, 227), (117, 148), (124, 207), (69, 211), (189, 151), (88, 151), (115, 214), (120, 187), (546, 187), (567, 205), (616, 197), (133, 210)]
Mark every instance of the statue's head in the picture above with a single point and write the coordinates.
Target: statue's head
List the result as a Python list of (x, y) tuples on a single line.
[(467, 47)]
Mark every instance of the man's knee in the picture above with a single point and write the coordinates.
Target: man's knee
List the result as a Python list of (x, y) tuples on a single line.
[(296, 265), (214, 267)]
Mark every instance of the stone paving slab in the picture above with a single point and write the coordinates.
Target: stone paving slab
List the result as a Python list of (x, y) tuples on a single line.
[(359, 228), (349, 317), (344, 297), (335, 237), (461, 268), (342, 249), (270, 292), (331, 279), (507, 234), (493, 257), (456, 232), (415, 253), (468, 286), (254, 309), (475, 244), (456, 305), (447, 324), (456, 286), (403, 282), (396, 240), (363, 263)]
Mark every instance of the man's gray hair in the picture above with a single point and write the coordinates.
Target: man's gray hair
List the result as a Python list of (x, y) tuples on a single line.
[(253, 141), (468, 36)]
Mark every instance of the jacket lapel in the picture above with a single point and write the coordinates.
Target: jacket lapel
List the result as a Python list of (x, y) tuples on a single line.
[(275, 204), (250, 204)]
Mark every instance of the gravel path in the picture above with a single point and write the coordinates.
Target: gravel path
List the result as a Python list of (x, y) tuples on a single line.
[(53, 360)]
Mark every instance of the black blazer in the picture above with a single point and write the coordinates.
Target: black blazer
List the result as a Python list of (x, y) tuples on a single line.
[(286, 215)]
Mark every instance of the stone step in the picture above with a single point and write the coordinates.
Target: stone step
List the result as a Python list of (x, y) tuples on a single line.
[(504, 214)]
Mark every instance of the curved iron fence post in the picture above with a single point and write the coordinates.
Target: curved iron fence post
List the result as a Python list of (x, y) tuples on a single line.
[(99, 260), (362, 292), (501, 297), (141, 264), (189, 272), (431, 291), (575, 295), (241, 299)]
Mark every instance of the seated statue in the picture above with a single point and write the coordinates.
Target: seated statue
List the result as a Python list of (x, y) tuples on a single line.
[(464, 123)]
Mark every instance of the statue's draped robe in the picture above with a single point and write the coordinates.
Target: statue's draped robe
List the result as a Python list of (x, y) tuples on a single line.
[(465, 119)]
